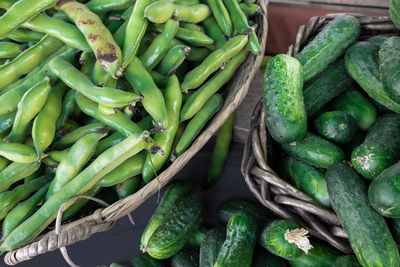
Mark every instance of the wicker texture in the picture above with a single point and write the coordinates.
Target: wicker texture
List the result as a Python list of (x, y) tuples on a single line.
[(273, 192), (103, 219)]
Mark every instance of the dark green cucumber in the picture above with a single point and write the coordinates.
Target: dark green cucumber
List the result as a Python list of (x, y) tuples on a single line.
[(172, 193), (328, 45), (377, 40), (144, 260), (347, 261), (198, 237), (275, 238), (187, 257), (315, 150), (319, 256), (183, 220), (355, 142), (283, 99), (210, 247), (389, 65), (368, 232), (336, 126), (263, 258), (380, 149), (361, 64), (358, 106), (381, 109), (308, 179), (241, 236), (394, 11), (325, 86), (226, 209), (395, 229), (384, 192)]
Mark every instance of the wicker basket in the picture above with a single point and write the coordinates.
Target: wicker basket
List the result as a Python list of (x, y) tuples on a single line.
[(103, 219), (259, 153)]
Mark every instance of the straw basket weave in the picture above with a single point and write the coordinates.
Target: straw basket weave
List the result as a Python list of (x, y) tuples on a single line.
[(103, 219), (261, 151)]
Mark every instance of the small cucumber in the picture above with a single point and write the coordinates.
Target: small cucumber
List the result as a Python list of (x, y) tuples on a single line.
[(336, 126), (226, 209), (319, 256), (347, 261), (380, 149), (283, 99), (394, 11), (187, 257), (241, 236), (389, 65), (263, 258), (144, 260), (355, 142), (315, 150), (377, 40), (210, 247)]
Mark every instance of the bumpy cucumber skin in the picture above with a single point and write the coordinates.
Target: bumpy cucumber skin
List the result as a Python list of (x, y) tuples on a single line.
[(325, 86), (362, 64), (368, 232), (319, 256), (283, 99), (263, 258), (308, 179), (358, 106), (347, 261), (395, 12), (328, 45), (377, 40), (144, 260), (336, 126), (183, 220), (273, 239), (210, 247), (384, 192), (226, 210), (187, 257), (389, 65), (241, 237), (380, 149), (315, 150)]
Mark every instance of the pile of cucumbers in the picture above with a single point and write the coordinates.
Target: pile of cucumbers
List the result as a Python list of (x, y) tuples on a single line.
[(334, 110), (105, 94)]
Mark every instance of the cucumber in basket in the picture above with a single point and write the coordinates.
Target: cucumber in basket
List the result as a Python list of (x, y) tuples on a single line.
[(226, 210), (395, 12), (389, 65)]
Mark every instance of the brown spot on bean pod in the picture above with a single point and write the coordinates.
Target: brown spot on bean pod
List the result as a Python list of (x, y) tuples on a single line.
[(86, 22), (107, 55), (60, 3), (93, 37)]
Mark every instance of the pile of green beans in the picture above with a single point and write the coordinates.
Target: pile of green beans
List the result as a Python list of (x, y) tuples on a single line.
[(101, 96)]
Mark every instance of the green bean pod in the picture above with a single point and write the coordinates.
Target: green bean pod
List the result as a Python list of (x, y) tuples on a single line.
[(10, 49), (153, 100), (10, 199), (6, 4), (22, 211), (198, 99), (79, 204), (67, 106), (79, 154), (73, 136), (158, 48), (159, 80), (173, 98), (85, 180), (215, 32), (128, 187), (99, 38), (129, 168), (28, 60), (16, 172), (134, 32), (59, 155), (190, 36), (6, 122), (241, 25), (44, 125), (196, 124), (161, 11), (78, 81), (220, 152), (221, 16), (107, 142), (173, 59), (23, 36), (18, 152), (100, 6), (213, 62), (249, 10), (186, 2), (30, 105), (101, 77), (87, 60), (191, 26), (20, 12)]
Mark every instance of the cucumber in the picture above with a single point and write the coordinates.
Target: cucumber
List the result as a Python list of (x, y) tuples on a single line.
[(283, 99), (319, 256), (347, 261), (183, 220), (226, 209), (172, 193), (394, 11), (187, 257), (336, 126), (389, 65), (276, 235), (368, 232), (361, 64), (144, 260), (210, 247), (380, 149), (198, 237), (381, 109), (263, 258), (325, 86), (328, 45), (241, 236), (395, 229), (355, 142), (384, 192), (315, 150), (377, 40), (358, 106), (308, 179)]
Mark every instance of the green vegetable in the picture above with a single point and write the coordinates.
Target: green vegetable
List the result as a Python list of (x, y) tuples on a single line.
[(336, 126), (389, 63), (144, 260), (319, 256), (187, 257), (263, 258), (210, 247)]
